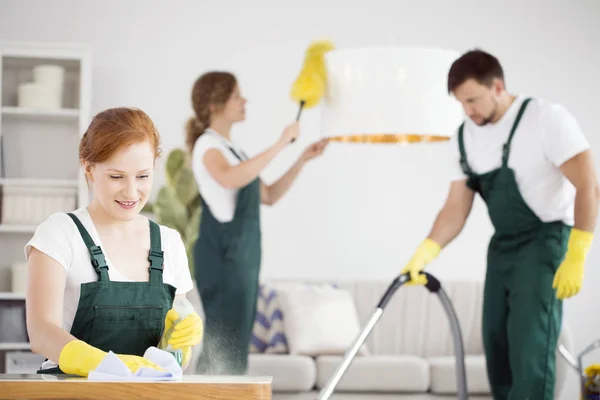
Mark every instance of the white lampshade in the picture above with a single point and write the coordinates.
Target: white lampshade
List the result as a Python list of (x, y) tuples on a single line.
[(389, 94)]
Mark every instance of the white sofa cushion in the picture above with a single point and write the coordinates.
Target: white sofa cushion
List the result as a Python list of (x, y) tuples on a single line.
[(319, 320), (289, 372), (443, 375), (377, 373)]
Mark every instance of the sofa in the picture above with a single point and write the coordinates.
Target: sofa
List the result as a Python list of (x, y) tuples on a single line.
[(408, 355)]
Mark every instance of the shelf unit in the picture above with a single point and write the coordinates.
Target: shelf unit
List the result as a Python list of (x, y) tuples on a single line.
[(12, 296), (39, 164)]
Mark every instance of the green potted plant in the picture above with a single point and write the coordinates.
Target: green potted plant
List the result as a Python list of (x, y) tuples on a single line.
[(177, 204)]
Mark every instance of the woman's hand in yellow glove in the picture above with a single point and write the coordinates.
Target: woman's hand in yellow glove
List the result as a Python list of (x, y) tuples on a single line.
[(187, 354), (79, 358), (427, 251), (187, 332), (569, 275)]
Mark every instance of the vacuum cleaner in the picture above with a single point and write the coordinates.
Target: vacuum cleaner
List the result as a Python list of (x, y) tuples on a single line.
[(434, 286)]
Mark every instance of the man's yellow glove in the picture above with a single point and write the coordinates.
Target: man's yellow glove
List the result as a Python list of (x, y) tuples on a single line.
[(569, 276), (185, 333), (79, 358), (427, 251)]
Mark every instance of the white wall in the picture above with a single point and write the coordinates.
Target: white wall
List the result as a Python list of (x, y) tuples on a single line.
[(359, 211)]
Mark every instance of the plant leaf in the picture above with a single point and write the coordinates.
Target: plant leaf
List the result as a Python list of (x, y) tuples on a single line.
[(169, 211)]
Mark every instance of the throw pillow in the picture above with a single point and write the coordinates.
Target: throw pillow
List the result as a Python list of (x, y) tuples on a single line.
[(319, 320)]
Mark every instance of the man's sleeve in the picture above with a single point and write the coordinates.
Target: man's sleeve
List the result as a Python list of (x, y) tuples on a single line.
[(562, 136)]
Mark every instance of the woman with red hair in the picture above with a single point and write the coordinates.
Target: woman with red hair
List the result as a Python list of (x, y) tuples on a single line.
[(103, 277)]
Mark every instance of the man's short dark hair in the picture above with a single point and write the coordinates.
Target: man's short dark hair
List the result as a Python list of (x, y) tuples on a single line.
[(475, 64)]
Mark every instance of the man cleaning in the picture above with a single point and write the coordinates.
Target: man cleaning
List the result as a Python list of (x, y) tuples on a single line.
[(532, 166)]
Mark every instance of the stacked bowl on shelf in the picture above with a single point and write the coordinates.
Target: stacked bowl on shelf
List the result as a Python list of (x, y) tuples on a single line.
[(46, 90)]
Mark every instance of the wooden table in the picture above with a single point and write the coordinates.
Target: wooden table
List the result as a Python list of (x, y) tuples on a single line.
[(197, 387)]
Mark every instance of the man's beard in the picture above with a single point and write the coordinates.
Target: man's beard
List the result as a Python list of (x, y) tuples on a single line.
[(491, 116)]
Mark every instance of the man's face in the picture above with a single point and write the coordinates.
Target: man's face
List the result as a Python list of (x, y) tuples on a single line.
[(479, 101)]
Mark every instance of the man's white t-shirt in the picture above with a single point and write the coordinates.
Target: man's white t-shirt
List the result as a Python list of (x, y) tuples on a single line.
[(220, 200), (546, 137), (59, 238)]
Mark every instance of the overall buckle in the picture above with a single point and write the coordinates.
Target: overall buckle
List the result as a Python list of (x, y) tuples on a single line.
[(156, 260), (464, 166), (98, 259), (505, 152)]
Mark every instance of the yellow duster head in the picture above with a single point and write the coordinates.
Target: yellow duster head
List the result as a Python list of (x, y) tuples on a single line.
[(318, 48), (309, 86)]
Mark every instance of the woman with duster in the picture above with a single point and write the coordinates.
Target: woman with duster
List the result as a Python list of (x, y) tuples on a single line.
[(227, 254)]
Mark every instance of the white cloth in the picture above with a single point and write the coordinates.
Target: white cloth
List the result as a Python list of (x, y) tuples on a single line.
[(111, 368), (220, 200), (547, 136), (59, 238)]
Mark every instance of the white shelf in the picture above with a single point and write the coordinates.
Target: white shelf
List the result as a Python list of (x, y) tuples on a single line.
[(39, 182), (17, 228), (46, 114), (12, 296), (39, 145), (15, 346)]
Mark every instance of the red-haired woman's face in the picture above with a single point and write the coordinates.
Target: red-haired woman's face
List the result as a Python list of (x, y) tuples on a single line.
[(123, 183)]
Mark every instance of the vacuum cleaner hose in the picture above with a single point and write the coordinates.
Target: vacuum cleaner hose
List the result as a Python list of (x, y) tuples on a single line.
[(434, 286)]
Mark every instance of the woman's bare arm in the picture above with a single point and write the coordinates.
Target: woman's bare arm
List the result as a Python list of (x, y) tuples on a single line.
[(46, 280), (237, 176)]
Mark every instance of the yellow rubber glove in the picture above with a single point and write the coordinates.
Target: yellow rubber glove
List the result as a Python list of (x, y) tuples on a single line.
[(187, 354), (427, 251), (569, 276), (186, 333), (79, 358)]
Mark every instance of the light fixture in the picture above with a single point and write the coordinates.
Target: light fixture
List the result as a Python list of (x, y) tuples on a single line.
[(389, 95)]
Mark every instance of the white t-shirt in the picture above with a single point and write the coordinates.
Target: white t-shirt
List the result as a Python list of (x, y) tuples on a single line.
[(220, 200), (546, 137), (59, 238)]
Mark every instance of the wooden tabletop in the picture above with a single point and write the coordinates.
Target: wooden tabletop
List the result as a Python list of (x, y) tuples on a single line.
[(197, 387)]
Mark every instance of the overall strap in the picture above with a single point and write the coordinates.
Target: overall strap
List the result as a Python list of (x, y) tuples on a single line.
[(156, 255), (222, 140), (96, 255), (463, 154), (506, 147), (235, 154)]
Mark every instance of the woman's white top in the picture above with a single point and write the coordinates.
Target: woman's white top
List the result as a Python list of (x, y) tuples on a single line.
[(220, 200), (59, 238)]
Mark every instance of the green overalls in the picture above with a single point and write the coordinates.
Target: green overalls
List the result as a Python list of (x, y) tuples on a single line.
[(227, 260), (521, 315), (123, 317)]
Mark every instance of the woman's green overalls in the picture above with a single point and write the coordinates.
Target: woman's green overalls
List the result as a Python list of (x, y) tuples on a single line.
[(227, 260), (122, 317)]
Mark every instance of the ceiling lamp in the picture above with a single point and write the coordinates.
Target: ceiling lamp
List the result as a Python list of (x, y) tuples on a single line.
[(389, 95)]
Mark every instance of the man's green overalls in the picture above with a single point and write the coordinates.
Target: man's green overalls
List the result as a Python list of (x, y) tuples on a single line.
[(521, 315), (122, 317), (227, 260)]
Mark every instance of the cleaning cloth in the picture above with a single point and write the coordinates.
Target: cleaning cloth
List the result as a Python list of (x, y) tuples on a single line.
[(113, 369)]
